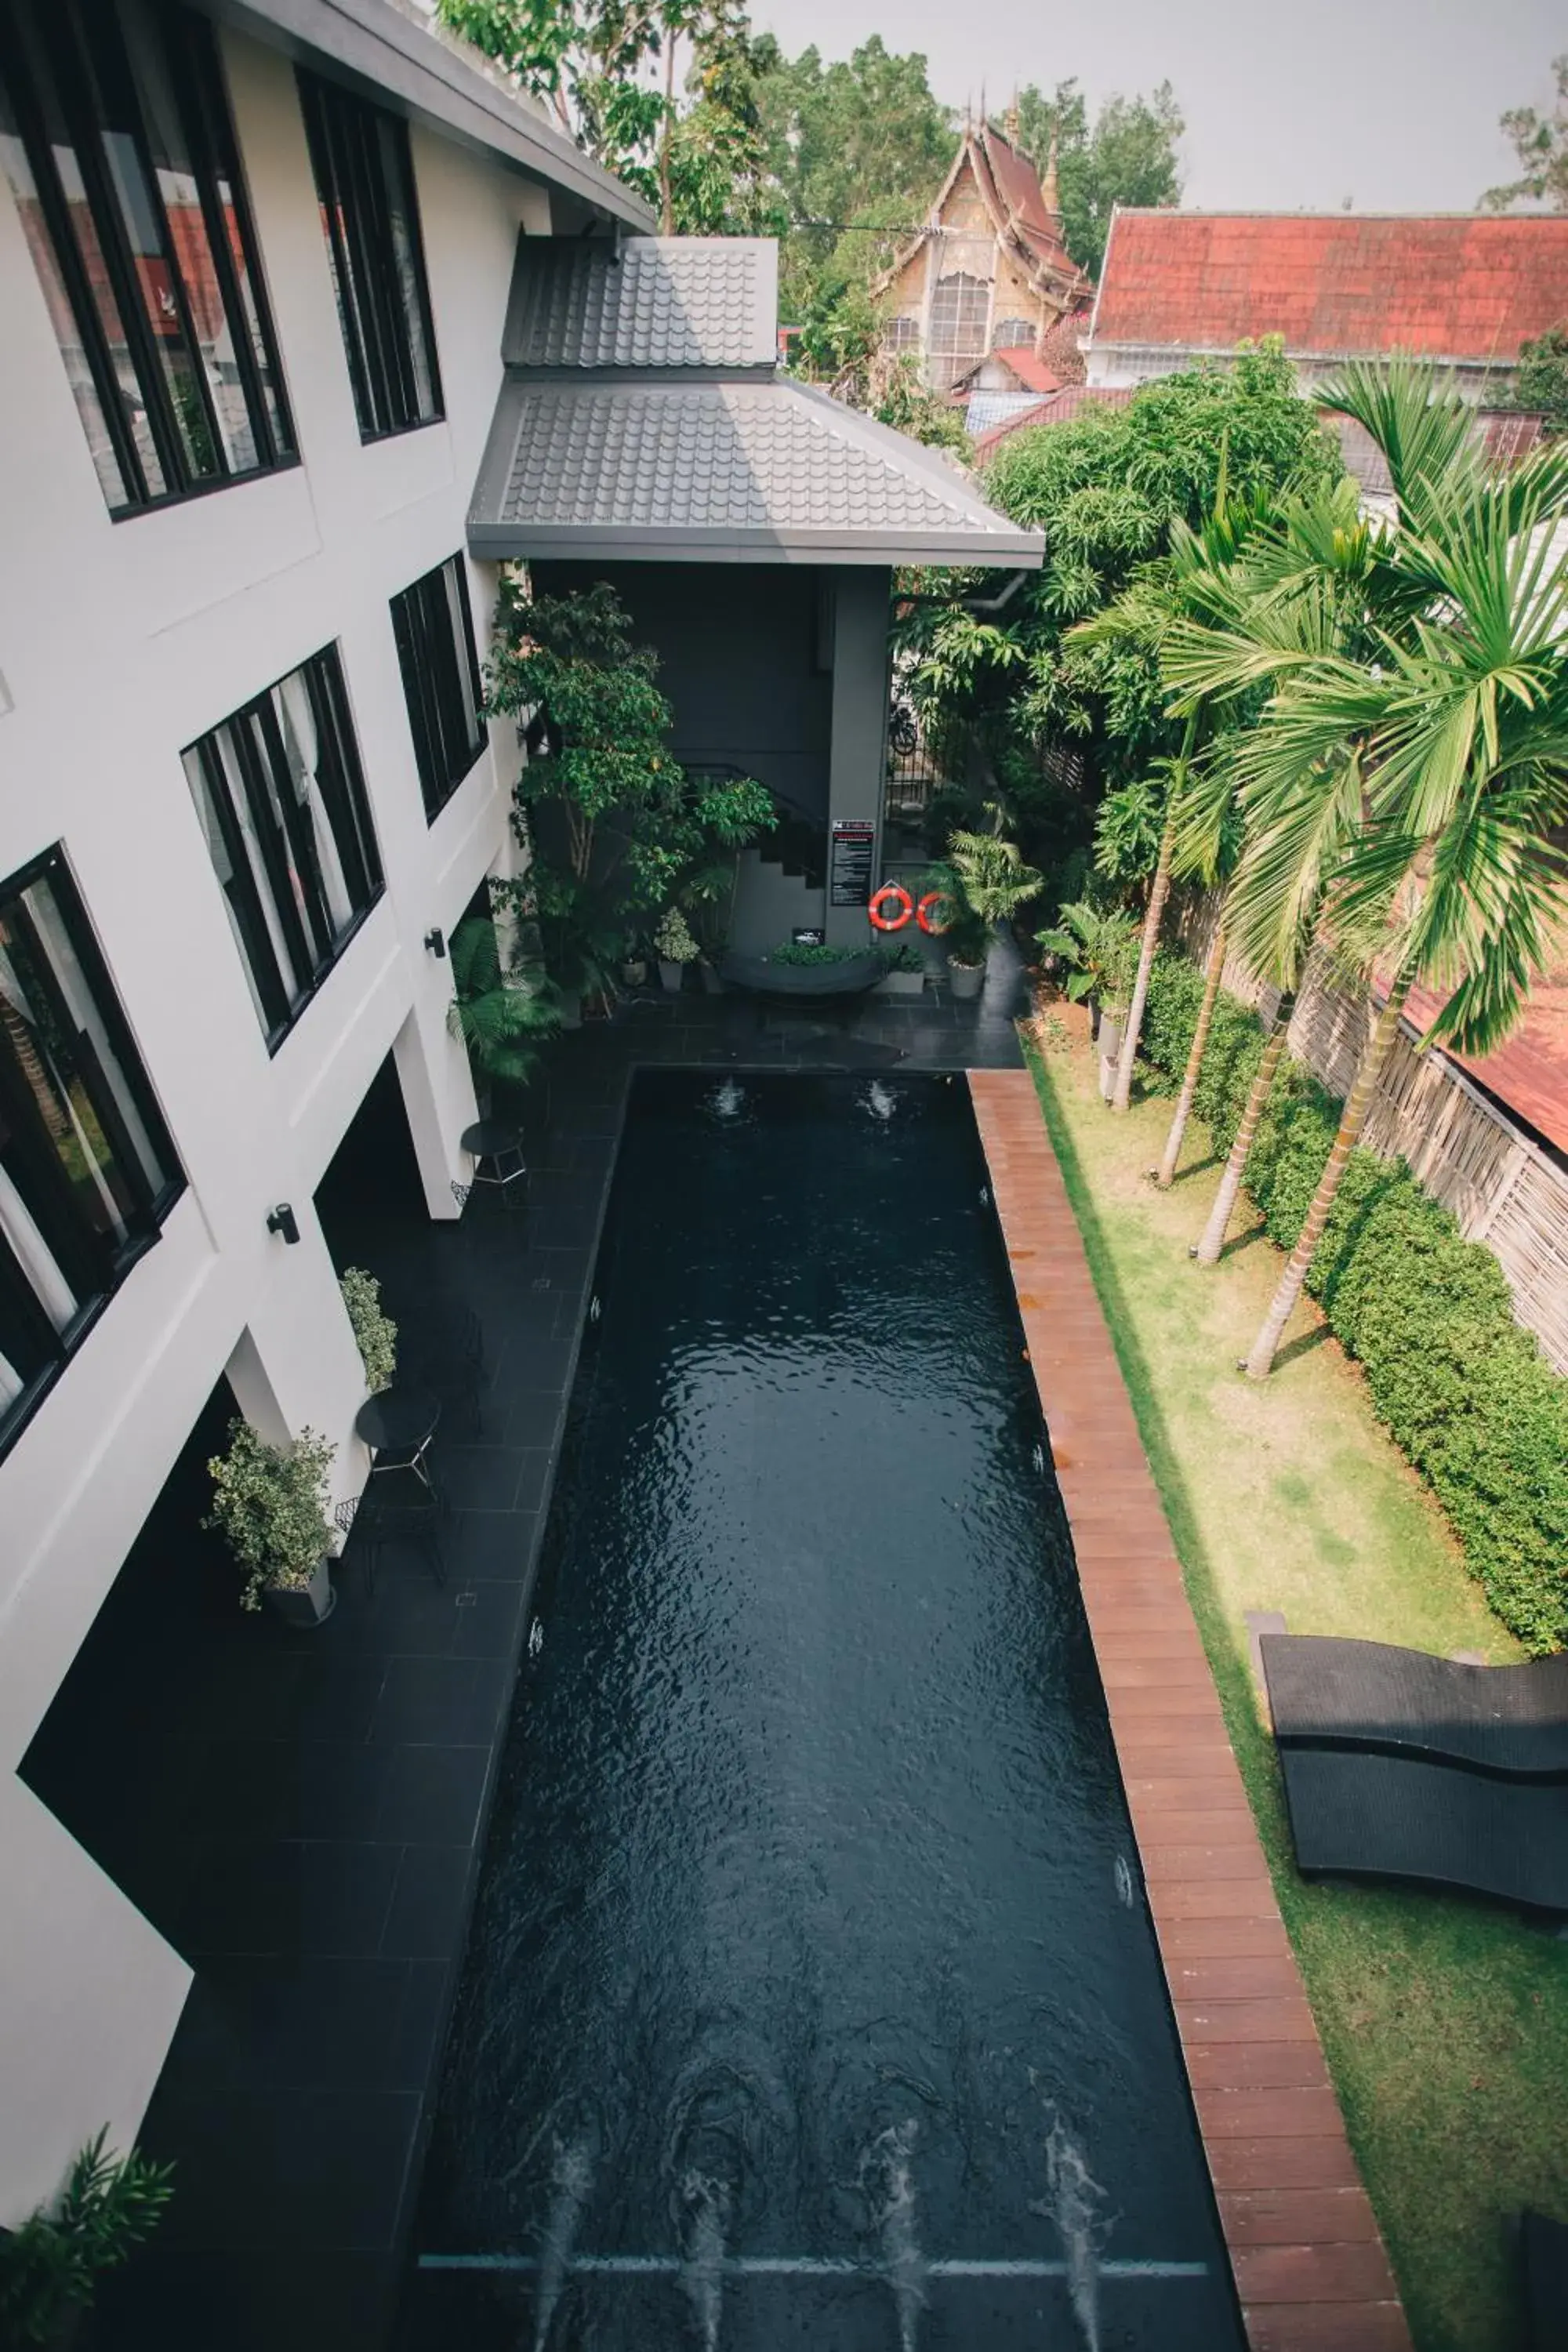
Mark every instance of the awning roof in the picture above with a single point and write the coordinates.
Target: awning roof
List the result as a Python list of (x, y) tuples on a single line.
[(643, 418)]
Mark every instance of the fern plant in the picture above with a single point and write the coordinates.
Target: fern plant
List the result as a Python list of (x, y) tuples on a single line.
[(49, 2264), (376, 1333), (991, 875), (502, 1018)]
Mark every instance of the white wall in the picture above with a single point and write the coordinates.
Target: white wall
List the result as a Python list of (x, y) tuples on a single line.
[(119, 642)]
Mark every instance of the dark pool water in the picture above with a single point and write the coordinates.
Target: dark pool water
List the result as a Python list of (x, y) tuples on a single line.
[(811, 1999)]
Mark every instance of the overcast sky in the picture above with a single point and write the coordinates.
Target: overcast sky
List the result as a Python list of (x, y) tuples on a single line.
[(1392, 103)]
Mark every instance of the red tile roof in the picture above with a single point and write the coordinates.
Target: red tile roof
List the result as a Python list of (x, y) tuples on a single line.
[(1033, 373), (1529, 1074), (1019, 186), (1458, 285)]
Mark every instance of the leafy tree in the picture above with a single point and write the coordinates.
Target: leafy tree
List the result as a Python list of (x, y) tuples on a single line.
[(1127, 157), (614, 827), (1540, 143), (1106, 489), (858, 148), (600, 65), (1541, 384), (1407, 775)]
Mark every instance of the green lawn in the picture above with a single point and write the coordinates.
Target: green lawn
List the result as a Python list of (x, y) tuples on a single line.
[(1446, 2024)]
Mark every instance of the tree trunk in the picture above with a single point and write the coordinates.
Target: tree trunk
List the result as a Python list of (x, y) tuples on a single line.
[(1213, 1242), (1194, 1060), (1158, 891), (666, 201), (1260, 1362)]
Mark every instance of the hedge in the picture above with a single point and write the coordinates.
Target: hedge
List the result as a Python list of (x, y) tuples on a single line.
[(1462, 1388)]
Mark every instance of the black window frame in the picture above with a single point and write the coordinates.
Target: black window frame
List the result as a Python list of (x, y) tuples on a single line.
[(441, 680), (94, 1267), (354, 145), (255, 739), (68, 32)]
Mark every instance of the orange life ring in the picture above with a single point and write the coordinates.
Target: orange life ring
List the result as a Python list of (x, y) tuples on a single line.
[(935, 898), (896, 891)]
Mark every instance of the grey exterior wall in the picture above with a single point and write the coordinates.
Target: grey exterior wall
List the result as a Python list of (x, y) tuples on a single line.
[(737, 647)]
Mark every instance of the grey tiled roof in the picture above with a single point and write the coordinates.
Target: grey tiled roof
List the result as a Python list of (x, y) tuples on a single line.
[(666, 302), (760, 468)]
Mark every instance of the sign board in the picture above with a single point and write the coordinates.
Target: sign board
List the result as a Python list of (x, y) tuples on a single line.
[(850, 879)]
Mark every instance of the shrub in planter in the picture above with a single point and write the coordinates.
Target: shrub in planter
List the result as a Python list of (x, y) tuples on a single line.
[(49, 2265), (271, 1507), (904, 973), (376, 1333), (674, 945)]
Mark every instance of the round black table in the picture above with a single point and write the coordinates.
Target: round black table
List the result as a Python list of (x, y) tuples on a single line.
[(498, 1141), (397, 1425)]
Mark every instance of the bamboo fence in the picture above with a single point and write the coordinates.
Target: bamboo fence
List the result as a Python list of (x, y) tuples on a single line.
[(1463, 1149)]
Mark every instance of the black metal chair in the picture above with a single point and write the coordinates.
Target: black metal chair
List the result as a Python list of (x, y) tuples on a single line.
[(378, 1520)]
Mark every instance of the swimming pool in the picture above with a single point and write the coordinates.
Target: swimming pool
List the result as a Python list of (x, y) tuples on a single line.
[(811, 1997)]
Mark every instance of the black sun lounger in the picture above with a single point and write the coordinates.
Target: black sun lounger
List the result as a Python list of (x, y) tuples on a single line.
[(1358, 1815), (1545, 2246), (1511, 1719)]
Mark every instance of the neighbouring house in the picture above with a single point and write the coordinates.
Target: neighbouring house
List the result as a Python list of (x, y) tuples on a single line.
[(1462, 291), (310, 322), (1053, 408), (1003, 384), (988, 271)]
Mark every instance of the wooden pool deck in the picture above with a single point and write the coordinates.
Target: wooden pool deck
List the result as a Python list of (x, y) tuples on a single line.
[(1309, 2265)]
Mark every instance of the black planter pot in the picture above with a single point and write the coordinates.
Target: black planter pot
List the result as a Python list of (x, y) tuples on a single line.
[(305, 1605), (851, 977)]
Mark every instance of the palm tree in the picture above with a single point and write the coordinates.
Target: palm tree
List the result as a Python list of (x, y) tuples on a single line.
[(1406, 772), (991, 878), (1181, 583), (1166, 1174)]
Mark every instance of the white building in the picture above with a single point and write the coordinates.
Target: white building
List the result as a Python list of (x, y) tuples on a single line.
[(257, 261), (216, 562)]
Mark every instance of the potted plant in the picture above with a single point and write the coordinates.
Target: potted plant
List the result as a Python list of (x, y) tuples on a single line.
[(270, 1504), (675, 948), (993, 885), (1099, 950), (905, 972), (376, 1333), (963, 933), (51, 2264)]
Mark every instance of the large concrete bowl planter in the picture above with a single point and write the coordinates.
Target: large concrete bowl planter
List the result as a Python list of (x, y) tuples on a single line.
[(849, 976), (305, 1604), (965, 979)]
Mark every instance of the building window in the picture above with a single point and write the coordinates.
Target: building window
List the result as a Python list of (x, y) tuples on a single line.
[(364, 179), (958, 310), (1013, 335), (282, 803), (903, 335), (434, 633), (117, 145), (86, 1170)]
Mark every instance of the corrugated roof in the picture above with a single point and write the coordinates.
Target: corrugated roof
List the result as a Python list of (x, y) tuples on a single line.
[(1071, 402), (655, 302), (756, 472), (984, 411), (1464, 286)]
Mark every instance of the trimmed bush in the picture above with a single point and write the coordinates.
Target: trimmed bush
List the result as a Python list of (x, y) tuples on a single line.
[(1462, 1388)]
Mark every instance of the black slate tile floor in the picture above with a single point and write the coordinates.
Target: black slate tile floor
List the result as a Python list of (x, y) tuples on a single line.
[(302, 1813)]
